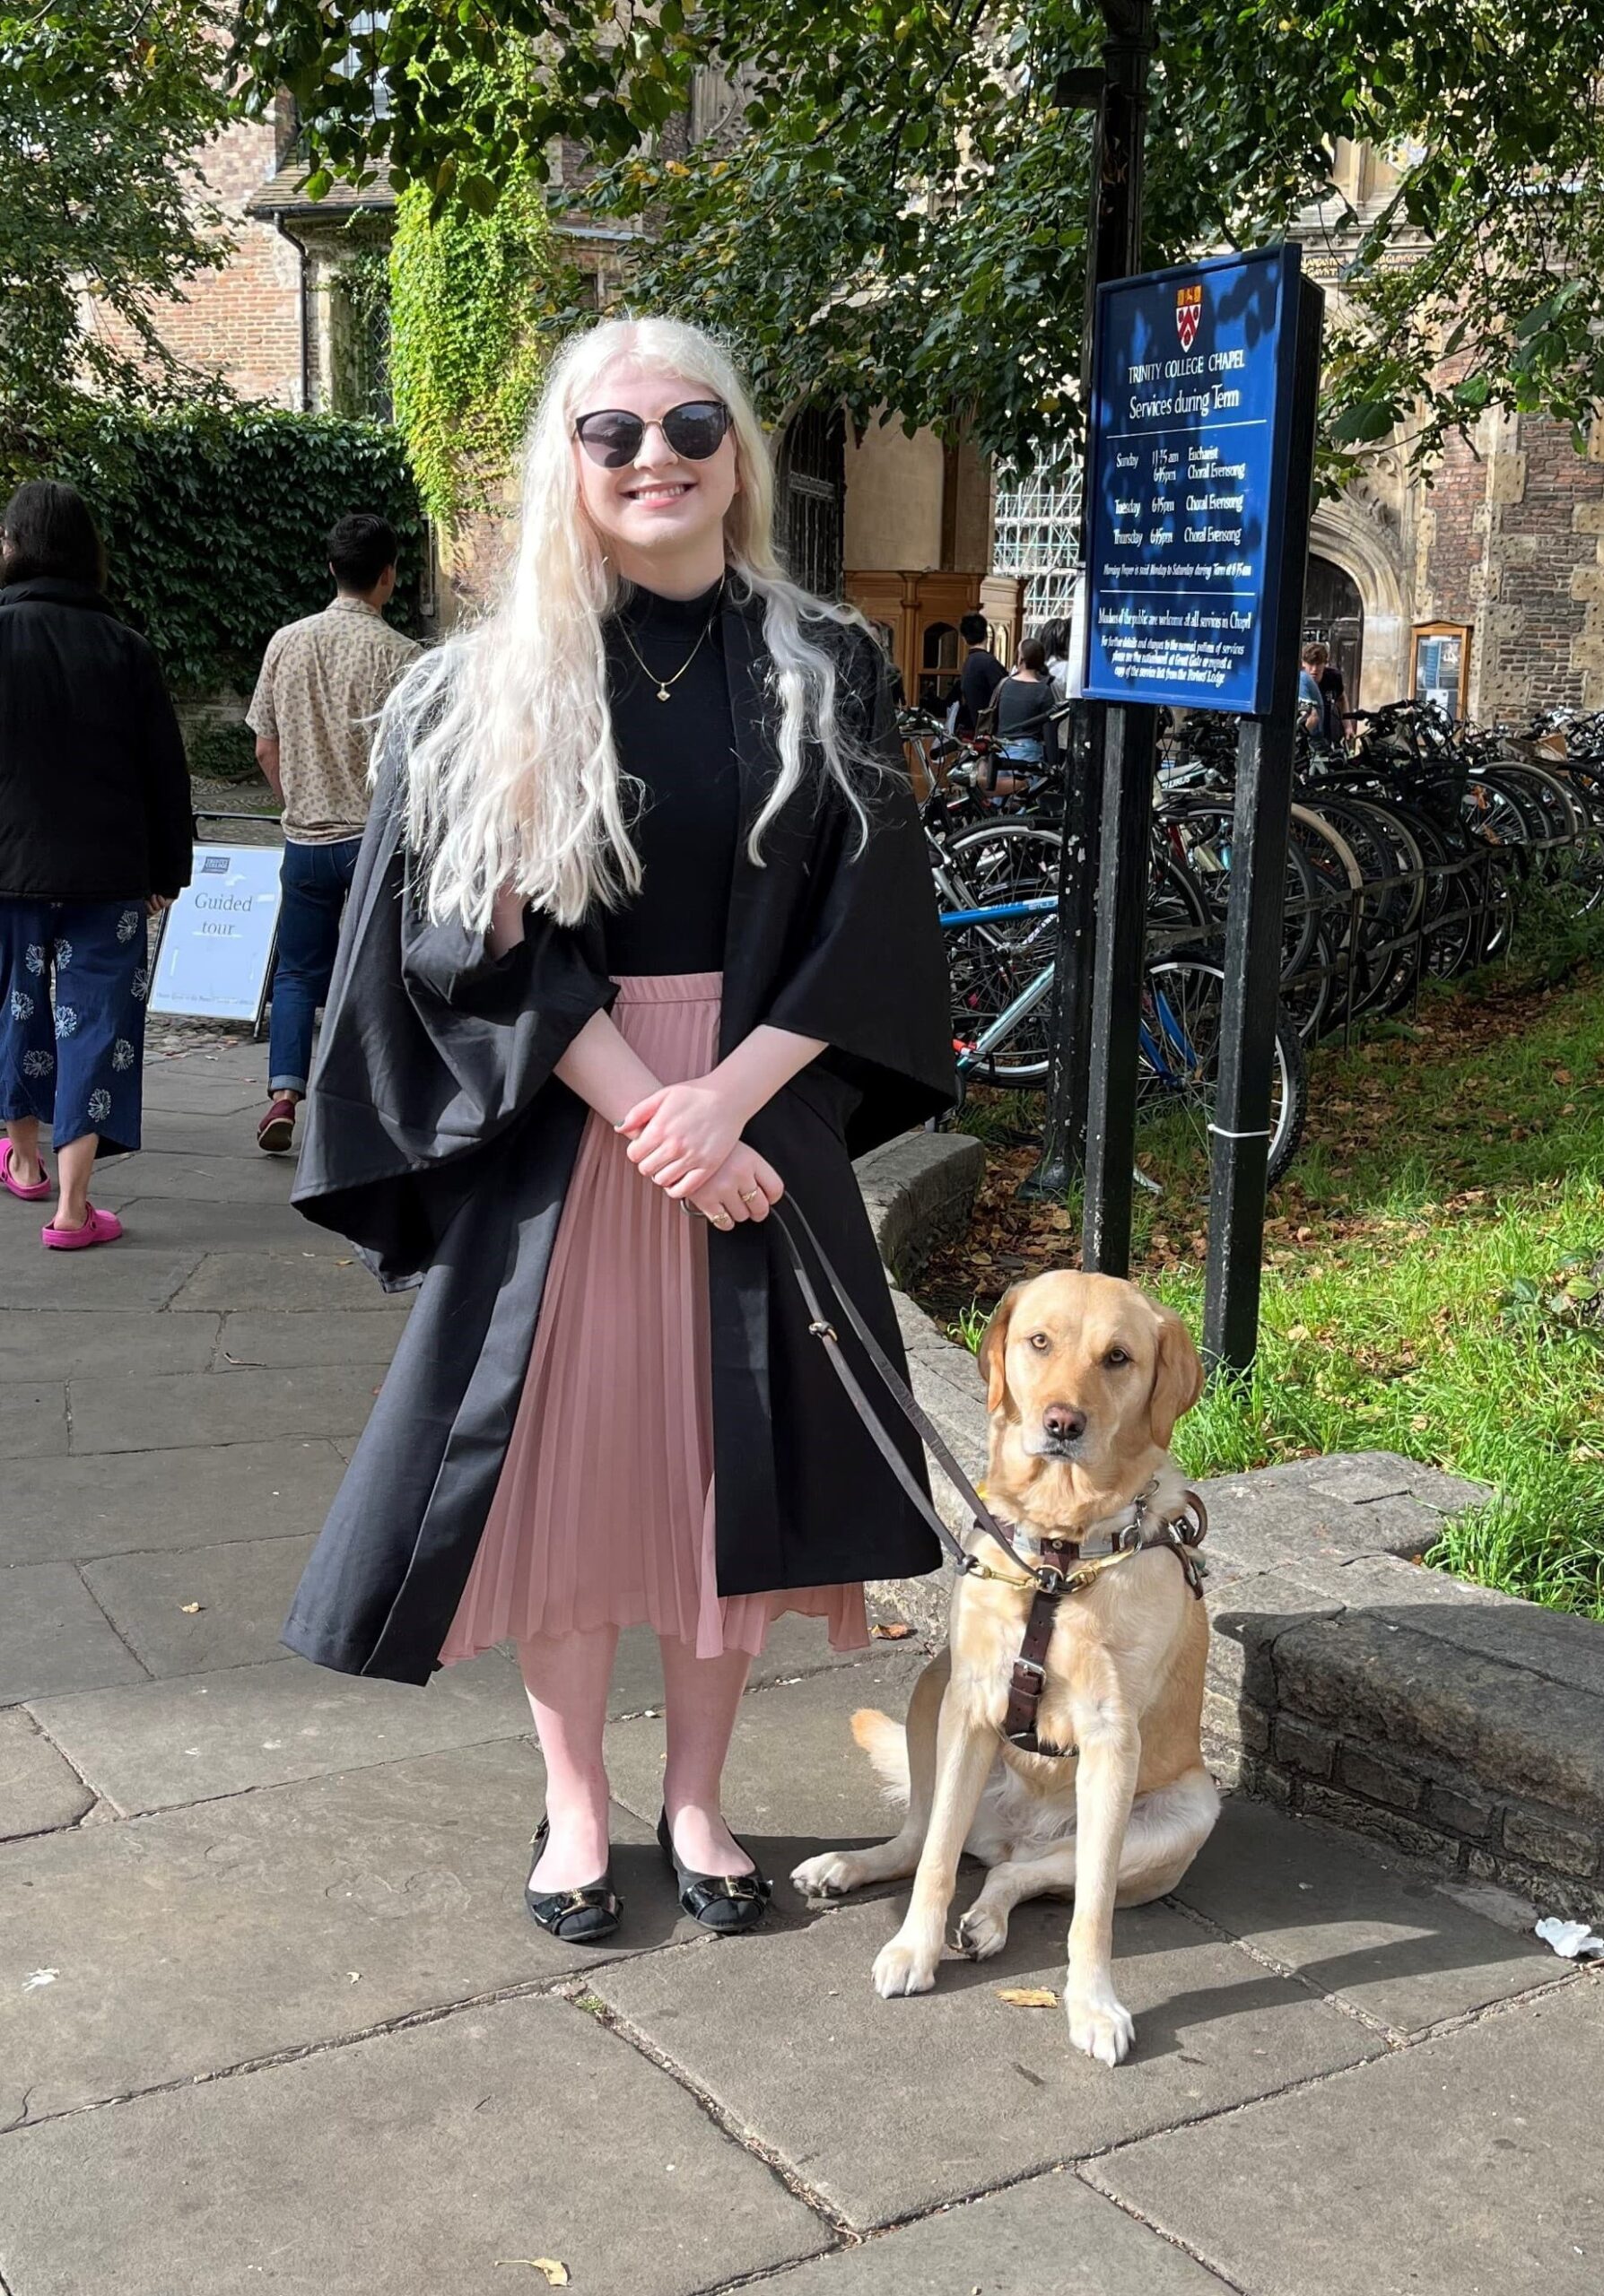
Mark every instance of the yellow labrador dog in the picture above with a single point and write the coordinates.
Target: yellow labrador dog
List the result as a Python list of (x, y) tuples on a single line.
[(1084, 1381)]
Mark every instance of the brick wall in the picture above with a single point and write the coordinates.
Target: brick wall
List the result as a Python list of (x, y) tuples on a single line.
[(1510, 539), (242, 322)]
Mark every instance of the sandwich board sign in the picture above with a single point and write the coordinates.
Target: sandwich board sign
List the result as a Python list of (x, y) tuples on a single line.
[(1189, 462), (214, 959)]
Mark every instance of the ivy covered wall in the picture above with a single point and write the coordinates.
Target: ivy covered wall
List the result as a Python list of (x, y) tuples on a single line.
[(214, 525)]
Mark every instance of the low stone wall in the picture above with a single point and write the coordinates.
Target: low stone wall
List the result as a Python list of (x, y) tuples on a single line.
[(919, 1189), (1347, 1681)]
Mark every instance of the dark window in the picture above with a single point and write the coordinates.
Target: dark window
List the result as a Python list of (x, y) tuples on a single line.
[(813, 483)]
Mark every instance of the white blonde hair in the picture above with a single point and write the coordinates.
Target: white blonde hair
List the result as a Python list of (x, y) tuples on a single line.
[(509, 773)]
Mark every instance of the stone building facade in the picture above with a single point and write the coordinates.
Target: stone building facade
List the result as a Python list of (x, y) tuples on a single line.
[(1485, 582), (900, 525)]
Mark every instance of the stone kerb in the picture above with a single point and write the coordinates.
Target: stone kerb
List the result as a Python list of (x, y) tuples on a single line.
[(1346, 1681)]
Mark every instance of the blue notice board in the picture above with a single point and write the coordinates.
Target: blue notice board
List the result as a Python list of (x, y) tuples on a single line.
[(1187, 458)]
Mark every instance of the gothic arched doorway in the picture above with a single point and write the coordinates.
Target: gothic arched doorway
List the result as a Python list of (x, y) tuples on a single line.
[(1334, 614)]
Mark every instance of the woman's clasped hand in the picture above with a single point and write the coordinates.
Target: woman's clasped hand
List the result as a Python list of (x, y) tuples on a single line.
[(686, 1137)]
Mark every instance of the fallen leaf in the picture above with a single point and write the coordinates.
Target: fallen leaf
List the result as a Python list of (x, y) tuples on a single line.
[(344, 1263), (892, 1630), (190, 1609), (1027, 1996), (556, 2275)]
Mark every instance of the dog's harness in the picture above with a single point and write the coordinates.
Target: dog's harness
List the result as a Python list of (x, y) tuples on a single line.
[(1066, 1567)]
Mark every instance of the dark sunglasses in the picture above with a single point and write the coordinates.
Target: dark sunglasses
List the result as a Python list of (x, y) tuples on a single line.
[(611, 436)]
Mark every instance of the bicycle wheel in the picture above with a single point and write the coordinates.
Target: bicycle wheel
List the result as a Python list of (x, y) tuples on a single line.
[(1001, 1005), (1003, 862), (1178, 1076)]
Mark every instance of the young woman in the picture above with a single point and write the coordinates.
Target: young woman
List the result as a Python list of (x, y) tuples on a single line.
[(643, 937), (95, 835)]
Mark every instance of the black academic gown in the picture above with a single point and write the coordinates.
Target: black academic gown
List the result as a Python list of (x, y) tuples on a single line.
[(441, 1143)]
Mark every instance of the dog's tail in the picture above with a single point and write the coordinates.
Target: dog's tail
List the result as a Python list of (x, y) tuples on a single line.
[(885, 1743)]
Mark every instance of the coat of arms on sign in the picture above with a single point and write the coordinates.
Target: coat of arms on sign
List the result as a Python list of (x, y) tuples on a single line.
[(1188, 312)]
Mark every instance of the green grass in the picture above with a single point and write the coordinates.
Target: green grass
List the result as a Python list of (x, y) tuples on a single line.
[(1435, 1276)]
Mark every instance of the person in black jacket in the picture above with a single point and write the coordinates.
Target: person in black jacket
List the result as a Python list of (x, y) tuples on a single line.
[(96, 832)]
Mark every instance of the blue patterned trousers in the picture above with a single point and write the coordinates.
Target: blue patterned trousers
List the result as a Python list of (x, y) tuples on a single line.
[(74, 1061)]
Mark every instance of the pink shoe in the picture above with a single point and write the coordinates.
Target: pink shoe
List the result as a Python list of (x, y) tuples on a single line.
[(100, 1228), (27, 1194)]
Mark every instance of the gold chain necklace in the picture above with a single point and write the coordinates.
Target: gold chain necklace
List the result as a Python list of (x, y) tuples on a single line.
[(665, 684)]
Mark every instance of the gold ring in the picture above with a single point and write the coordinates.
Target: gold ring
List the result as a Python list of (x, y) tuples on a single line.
[(750, 1195), (722, 1219)]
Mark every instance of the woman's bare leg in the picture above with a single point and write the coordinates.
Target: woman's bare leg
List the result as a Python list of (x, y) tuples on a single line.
[(22, 1132), (75, 1164), (703, 1697), (566, 1676)]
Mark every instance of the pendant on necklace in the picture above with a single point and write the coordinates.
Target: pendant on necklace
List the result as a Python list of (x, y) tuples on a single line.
[(664, 694)]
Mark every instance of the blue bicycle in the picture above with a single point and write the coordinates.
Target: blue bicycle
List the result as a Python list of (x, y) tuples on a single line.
[(1001, 967)]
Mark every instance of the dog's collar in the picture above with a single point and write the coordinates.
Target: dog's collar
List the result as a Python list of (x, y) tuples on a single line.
[(1137, 1525)]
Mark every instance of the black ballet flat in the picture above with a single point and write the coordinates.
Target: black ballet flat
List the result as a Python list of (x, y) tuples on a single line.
[(575, 1916), (726, 1902)]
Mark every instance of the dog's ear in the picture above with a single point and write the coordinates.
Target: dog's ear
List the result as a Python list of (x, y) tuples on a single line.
[(1177, 1377), (993, 1347)]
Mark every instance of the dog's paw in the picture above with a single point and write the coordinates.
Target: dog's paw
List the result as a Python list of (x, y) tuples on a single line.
[(982, 1932), (831, 1876), (1100, 2025), (903, 1967)]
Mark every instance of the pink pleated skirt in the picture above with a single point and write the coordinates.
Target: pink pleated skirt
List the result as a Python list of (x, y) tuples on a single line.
[(604, 1513)]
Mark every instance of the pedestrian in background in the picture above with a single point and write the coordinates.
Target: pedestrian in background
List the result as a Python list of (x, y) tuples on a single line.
[(1027, 734), (978, 678), (96, 833), (323, 684)]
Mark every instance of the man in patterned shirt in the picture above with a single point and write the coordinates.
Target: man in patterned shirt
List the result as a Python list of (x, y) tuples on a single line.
[(323, 682)]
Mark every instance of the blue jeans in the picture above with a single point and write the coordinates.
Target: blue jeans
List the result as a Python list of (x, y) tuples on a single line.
[(315, 881)]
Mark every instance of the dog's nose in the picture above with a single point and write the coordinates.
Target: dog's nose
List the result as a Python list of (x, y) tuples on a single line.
[(1063, 1422)]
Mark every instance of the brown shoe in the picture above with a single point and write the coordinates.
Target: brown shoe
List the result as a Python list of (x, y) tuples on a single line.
[(277, 1127)]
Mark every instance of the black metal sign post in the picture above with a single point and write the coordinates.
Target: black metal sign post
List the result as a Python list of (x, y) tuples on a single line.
[(1130, 754), (1118, 150), (1240, 1141)]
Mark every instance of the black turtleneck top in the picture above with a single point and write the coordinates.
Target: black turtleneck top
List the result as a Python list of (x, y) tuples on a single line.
[(686, 818)]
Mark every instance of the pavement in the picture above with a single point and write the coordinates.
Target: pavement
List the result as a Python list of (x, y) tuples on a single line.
[(273, 2016)]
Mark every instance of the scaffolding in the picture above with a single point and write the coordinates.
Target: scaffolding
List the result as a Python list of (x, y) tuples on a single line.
[(1035, 536)]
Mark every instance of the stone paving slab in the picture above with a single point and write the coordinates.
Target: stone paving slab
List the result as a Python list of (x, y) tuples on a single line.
[(39, 1790), (190, 1091), (795, 1647), (174, 1133), (817, 1793), (420, 2160), (1051, 2236), (204, 1409), (95, 1343), (54, 1637), (864, 2097), (244, 1591), (194, 1179), (333, 1336), (142, 1270), (225, 1227), (319, 1273), (304, 1914), (164, 1744), (1382, 1937), (1466, 2166), (33, 1419), (188, 1497)]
